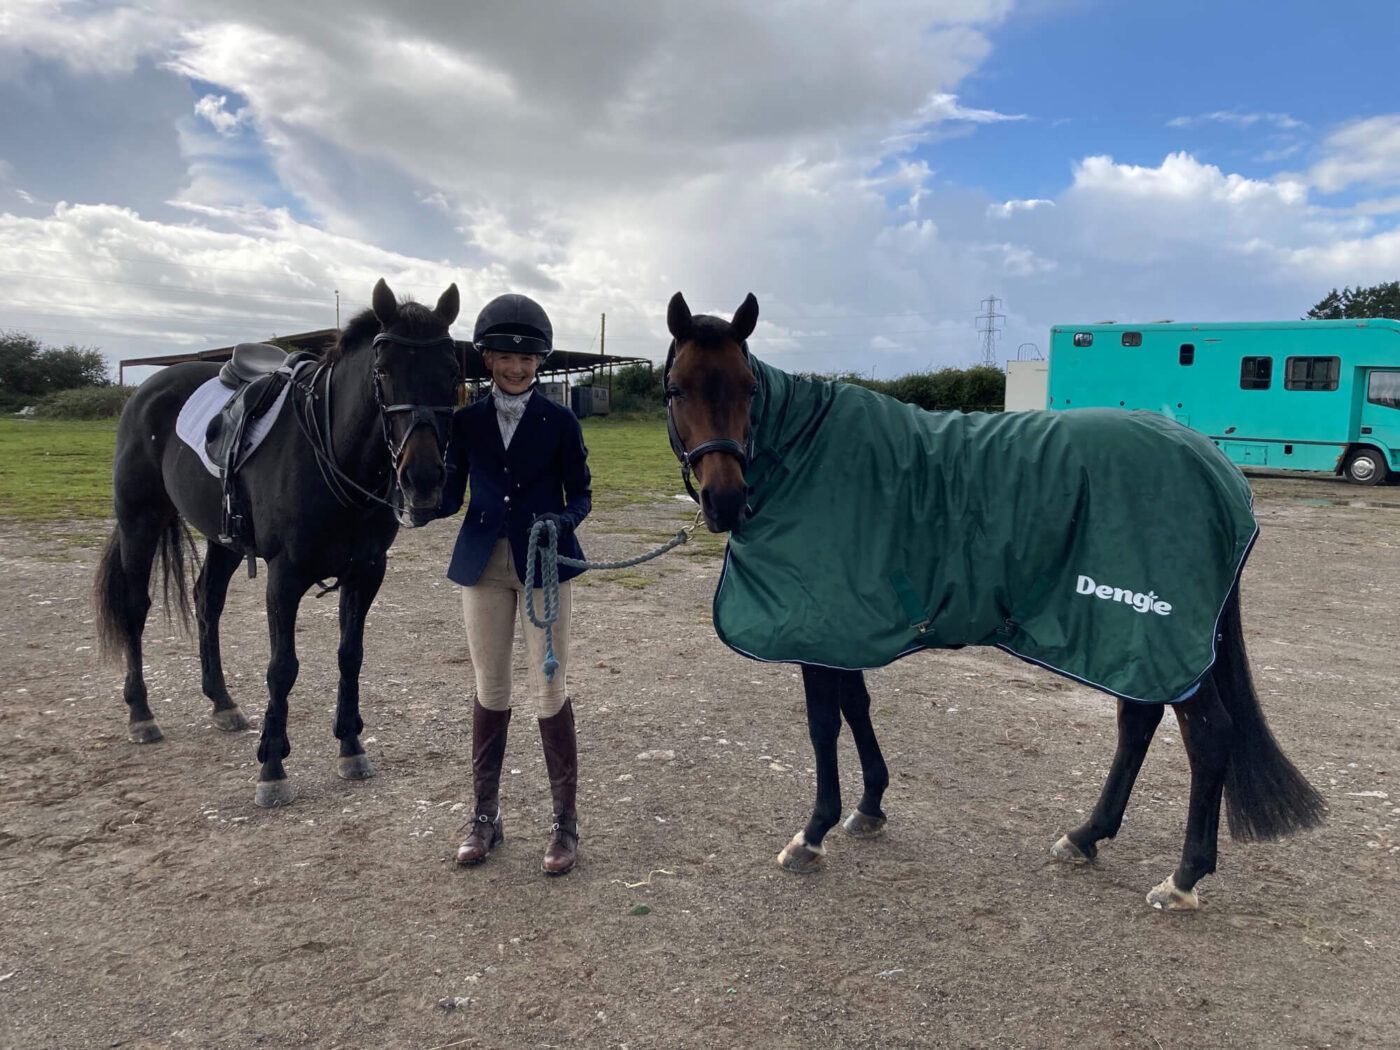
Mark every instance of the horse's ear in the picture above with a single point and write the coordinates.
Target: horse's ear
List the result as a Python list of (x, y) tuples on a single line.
[(678, 317), (386, 307), (745, 318), (449, 304)]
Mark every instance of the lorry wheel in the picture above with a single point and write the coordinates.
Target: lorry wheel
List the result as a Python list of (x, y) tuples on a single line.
[(1366, 467)]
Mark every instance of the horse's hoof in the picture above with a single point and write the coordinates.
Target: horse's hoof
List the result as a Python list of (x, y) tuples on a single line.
[(272, 793), (146, 732), (799, 857), (1066, 851), (230, 719), (1166, 895), (354, 767), (863, 826)]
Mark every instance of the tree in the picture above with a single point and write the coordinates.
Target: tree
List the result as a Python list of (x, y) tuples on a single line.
[(1379, 300), (30, 370), (636, 388)]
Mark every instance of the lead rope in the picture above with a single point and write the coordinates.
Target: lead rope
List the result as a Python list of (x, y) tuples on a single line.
[(549, 559)]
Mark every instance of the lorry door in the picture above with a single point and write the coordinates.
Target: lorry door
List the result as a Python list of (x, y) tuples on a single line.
[(1380, 412)]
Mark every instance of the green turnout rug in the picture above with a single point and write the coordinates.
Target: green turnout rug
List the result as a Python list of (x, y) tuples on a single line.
[(1098, 543)]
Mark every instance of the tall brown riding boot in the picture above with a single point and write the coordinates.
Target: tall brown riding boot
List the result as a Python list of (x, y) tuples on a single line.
[(561, 760), (488, 753)]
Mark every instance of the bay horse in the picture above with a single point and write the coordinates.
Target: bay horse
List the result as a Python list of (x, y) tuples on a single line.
[(720, 418), (358, 450)]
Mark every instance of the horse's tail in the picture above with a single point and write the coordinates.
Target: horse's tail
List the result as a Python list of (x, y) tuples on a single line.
[(109, 600), (1265, 795), (111, 590)]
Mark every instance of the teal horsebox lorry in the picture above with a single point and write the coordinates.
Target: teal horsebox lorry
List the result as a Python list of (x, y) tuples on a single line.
[(1295, 395)]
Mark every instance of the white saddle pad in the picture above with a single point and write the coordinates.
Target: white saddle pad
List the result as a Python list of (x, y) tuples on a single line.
[(204, 404)]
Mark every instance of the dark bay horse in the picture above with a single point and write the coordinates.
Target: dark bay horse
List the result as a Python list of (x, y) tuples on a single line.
[(358, 449), (715, 408)]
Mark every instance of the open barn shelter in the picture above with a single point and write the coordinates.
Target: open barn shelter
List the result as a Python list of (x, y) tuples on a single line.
[(555, 373)]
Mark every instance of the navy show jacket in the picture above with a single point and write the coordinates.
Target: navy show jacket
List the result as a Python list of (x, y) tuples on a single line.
[(545, 470)]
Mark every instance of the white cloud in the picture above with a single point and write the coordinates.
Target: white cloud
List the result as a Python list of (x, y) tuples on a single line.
[(1180, 176), (1363, 152), (139, 283), (943, 106), (602, 161), (106, 42), (1370, 256), (213, 108), (1236, 118), (1006, 209)]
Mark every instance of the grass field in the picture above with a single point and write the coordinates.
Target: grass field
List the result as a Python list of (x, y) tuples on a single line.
[(54, 469)]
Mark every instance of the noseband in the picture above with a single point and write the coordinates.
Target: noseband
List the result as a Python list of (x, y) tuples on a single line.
[(689, 457), (439, 417)]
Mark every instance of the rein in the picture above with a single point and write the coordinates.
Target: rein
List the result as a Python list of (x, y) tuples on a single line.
[(317, 430), (546, 555)]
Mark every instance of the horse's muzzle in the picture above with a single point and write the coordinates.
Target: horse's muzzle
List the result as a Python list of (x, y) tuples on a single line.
[(724, 509)]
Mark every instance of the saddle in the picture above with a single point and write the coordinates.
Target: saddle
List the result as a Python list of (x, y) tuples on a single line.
[(251, 361), (257, 373)]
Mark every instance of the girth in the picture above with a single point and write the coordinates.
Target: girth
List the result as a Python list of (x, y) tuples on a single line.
[(225, 440)]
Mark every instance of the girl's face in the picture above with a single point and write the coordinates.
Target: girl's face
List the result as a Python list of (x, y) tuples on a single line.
[(512, 373)]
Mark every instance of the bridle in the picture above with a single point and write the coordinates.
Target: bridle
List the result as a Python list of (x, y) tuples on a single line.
[(439, 417), (317, 428), (688, 457)]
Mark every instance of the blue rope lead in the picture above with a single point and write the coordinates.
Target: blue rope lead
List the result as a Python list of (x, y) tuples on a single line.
[(547, 556), (548, 559)]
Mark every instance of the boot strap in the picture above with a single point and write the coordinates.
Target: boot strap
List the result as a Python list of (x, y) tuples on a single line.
[(560, 830), (480, 818)]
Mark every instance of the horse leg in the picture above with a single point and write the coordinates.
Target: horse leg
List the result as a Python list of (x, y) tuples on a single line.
[(133, 550), (210, 590), (822, 686), (284, 593), (867, 820), (1136, 724), (1207, 731), (356, 594)]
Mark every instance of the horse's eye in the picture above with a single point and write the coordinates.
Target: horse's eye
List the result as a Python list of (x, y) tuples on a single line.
[(753, 391), (674, 391)]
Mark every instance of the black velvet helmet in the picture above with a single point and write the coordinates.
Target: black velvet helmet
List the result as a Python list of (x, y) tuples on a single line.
[(516, 324)]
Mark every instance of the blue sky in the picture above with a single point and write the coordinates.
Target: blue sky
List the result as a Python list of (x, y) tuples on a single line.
[(186, 174), (1111, 77)]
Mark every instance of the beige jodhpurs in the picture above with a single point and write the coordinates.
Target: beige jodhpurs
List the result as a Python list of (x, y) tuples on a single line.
[(491, 608)]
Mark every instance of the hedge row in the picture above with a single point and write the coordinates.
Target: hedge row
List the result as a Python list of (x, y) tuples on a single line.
[(89, 402), (637, 388)]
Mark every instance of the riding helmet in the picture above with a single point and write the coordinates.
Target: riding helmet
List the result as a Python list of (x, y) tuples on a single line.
[(516, 324)]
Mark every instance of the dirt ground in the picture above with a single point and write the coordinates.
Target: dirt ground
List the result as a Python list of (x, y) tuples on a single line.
[(145, 902)]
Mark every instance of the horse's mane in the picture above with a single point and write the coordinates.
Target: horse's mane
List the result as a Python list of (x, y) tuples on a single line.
[(415, 321)]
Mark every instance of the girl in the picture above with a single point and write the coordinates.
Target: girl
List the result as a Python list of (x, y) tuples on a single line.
[(525, 459)]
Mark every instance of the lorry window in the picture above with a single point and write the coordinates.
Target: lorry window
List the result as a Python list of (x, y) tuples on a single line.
[(1187, 354), (1311, 373), (1384, 389), (1132, 338), (1083, 338), (1256, 373)]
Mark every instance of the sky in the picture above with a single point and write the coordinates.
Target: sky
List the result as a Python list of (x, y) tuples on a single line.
[(186, 174)]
